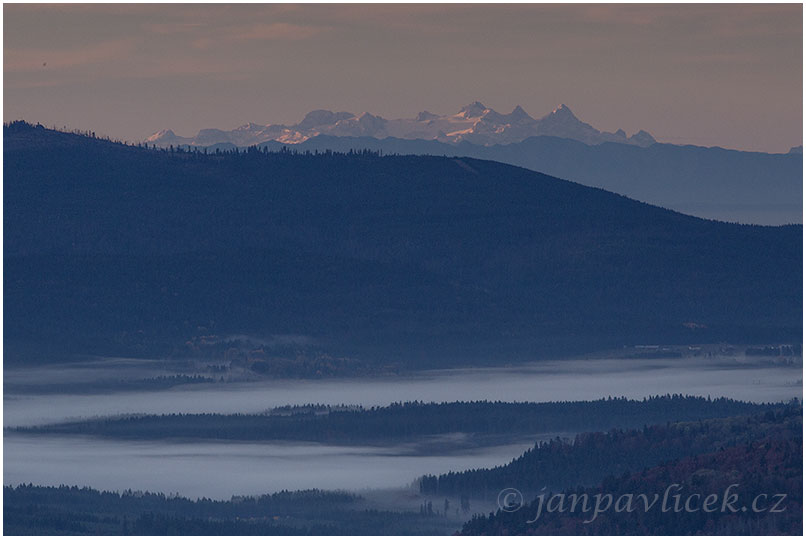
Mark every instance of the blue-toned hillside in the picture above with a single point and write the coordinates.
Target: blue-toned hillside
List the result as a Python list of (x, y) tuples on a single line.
[(432, 260)]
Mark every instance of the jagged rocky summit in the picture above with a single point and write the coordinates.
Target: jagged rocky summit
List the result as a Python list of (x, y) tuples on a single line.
[(474, 123)]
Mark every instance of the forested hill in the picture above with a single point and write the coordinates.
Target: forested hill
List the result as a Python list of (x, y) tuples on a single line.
[(112, 248), (730, 185), (592, 456), (409, 421), (761, 457)]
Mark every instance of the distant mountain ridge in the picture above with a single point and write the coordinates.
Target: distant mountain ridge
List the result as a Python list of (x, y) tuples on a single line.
[(475, 123)]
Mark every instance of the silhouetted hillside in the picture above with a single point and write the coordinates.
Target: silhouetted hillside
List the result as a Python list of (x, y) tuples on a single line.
[(755, 488), (557, 465), (110, 248), (408, 421), (65, 510), (715, 183)]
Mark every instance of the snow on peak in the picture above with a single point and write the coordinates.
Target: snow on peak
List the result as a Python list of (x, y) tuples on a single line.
[(425, 116), (161, 134), (474, 110), (475, 123), (563, 111), (319, 117), (371, 122)]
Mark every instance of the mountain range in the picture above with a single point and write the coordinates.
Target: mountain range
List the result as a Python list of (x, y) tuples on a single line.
[(115, 249), (474, 123), (713, 183)]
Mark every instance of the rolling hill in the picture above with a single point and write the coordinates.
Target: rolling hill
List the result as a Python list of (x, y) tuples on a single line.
[(433, 260), (713, 183)]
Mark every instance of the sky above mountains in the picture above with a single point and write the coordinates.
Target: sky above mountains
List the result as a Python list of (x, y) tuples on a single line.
[(724, 75)]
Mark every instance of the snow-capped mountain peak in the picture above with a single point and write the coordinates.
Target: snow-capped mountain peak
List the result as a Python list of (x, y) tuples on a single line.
[(426, 116), (473, 110), (161, 134), (475, 123), (562, 114), (563, 109), (315, 118)]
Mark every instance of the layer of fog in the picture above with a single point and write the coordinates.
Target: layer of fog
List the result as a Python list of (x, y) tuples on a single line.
[(91, 371), (220, 470), (577, 379)]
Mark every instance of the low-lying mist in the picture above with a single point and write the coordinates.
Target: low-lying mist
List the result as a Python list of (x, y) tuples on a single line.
[(556, 380), (220, 470)]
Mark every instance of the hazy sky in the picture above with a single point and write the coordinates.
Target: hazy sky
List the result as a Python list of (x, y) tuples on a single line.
[(726, 75)]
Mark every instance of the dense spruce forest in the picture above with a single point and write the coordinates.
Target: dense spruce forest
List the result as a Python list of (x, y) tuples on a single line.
[(593, 456), (413, 420), (35, 510), (765, 476), (708, 182), (432, 261)]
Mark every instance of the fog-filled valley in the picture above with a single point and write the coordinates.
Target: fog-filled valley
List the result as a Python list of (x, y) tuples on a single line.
[(247, 342), (97, 388), (235, 468), (751, 379)]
